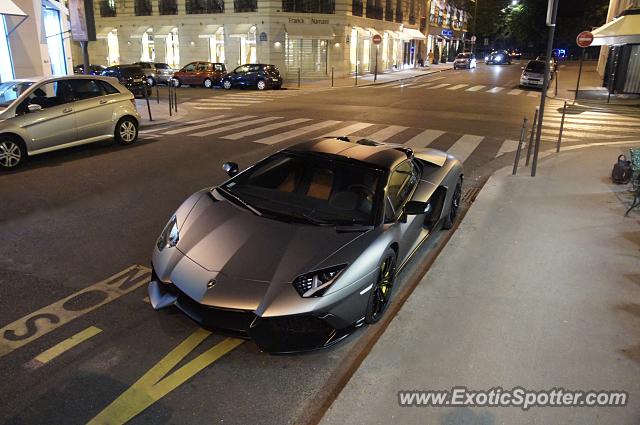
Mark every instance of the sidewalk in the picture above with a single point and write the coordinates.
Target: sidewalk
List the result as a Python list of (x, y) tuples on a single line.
[(367, 79), (159, 112), (539, 287)]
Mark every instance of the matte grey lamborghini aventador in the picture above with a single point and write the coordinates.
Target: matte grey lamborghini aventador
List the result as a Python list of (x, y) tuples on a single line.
[(303, 247)]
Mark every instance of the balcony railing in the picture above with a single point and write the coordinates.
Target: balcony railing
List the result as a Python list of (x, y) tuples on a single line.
[(168, 7), (142, 8), (107, 9), (356, 8), (194, 7), (374, 12), (245, 5), (388, 11), (309, 6)]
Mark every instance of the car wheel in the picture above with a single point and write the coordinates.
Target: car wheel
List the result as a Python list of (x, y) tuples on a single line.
[(261, 85), (226, 84), (126, 131), (454, 208), (207, 83), (151, 82), (177, 82), (380, 294), (12, 153)]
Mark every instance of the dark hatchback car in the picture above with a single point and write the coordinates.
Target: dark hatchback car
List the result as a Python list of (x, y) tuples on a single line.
[(93, 69), (499, 57), (130, 76), (256, 75)]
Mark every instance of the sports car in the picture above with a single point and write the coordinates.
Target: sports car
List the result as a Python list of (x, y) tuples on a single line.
[(303, 247)]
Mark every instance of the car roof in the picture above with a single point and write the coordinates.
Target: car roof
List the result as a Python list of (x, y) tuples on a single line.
[(42, 79), (380, 155)]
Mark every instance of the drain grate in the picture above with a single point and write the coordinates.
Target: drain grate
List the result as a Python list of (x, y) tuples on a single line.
[(469, 194)]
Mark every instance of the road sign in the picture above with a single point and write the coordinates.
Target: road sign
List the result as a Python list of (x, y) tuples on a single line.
[(473, 38), (584, 39), (377, 39)]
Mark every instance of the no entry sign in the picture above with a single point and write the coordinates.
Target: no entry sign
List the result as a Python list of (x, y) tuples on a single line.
[(584, 39), (377, 39)]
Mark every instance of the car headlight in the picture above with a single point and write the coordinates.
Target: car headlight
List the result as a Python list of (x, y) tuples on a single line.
[(169, 236), (499, 57), (486, 58), (315, 284)]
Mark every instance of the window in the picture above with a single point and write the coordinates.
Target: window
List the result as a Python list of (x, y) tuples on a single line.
[(85, 89), (172, 51), (219, 67), (6, 67), (107, 88), (11, 90), (142, 7), (388, 11), (245, 5), (374, 9), (168, 7), (356, 7), (203, 67), (113, 48), (204, 6), (400, 187), (399, 14), (190, 67), (309, 6), (107, 8), (51, 94)]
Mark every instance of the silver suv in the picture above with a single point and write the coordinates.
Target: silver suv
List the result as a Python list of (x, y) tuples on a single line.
[(50, 113)]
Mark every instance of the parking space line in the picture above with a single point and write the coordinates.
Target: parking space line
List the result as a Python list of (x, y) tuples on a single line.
[(61, 347), (155, 384), (32, 326)]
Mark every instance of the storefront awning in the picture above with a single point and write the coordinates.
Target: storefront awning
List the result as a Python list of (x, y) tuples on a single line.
[(309, 32), (241, 30), (413, 34), (138, 31), (622, 30), (362, 32), (103, 32)]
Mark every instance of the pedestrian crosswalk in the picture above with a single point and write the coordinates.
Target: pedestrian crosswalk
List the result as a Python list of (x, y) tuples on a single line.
[(438, 84), (273, 130), (225, 101)]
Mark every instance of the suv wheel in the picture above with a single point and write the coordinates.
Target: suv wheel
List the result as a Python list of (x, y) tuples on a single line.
[(151, 82), (207, 83), (126, 131), (261, 85), (12, 153), (226, 84)]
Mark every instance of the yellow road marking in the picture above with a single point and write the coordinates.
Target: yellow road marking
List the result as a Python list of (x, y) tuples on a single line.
[(67, 344), (154, 384), (43, 321)]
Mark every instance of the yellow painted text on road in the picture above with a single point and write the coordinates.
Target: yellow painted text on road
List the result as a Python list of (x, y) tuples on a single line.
[(155, 384), (67, 344)]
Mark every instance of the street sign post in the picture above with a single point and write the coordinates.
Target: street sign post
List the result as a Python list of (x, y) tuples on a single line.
[(584, 40), (377, 39)]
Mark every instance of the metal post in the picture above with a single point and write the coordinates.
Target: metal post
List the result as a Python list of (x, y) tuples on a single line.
[(171, 87), (533, 132), (375, 75), (564, 111), (523, 133), (575, 97), (556, 93), (475, 19), (331, 76), (146, 98), (175, 99), (543, 98), (357, 72), (298, 77), (157, 94), (85, 57)]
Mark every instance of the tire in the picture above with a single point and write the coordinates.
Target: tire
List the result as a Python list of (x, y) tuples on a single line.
[(177, 82), (261, 85), (12, 153), (126, 131), (226, 84), (380, 294), (454, 207), (151, 82), (207, 83)]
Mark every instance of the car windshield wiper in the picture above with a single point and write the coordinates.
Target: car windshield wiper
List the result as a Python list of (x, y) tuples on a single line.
[(239, 201)]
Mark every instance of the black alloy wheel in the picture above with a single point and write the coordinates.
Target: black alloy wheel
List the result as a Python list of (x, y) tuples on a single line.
[(455, 206), (382, 289)]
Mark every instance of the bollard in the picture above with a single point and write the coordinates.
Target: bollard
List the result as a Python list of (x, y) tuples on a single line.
[(534, 126), (157, 94), (331, 76), (356, 74), (175, 99), (564, 111), (170, 97), (146, 98), (523, 133), (298, 77), (556, 83)]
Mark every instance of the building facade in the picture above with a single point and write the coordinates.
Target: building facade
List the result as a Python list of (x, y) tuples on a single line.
[(35, 41), (313, 36), (447, 30)]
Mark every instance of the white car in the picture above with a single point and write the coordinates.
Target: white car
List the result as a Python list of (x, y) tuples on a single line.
[(465, 61), (49, 113), (533, 74)]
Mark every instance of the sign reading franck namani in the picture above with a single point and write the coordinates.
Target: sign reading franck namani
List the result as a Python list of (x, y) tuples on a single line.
[(312, 21)]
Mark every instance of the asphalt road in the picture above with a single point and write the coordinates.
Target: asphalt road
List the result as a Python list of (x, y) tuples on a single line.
[(71, 219)]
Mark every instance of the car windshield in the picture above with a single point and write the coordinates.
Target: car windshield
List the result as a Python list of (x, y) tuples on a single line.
[(537, 67), (162, 66), (314, 189), (463, 56), (131, 71), (11, 90)]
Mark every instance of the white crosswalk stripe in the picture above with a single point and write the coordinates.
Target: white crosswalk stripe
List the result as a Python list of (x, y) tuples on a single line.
[(423, 139), (533, 94), (217, 121), (387, 133), (515, 92), (270, 140), (507, 146), (234, 126), (213, 108), (496, 90), (457, 87), (439, 86), (476, 88), (465, 146), (350, 129), (265, 129)]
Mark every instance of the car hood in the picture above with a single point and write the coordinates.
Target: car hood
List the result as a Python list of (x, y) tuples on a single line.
[(227, 239)]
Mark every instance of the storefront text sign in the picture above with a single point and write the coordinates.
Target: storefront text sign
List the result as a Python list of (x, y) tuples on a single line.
[(312, 21)]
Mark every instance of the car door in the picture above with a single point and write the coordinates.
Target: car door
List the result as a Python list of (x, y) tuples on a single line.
[(401, 185), (187, 76), (93, 108), (55, 123), (252, 75)]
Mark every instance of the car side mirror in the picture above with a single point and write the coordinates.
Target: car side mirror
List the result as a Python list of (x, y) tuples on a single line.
[(34, 107), (417, 208), (231, 168)]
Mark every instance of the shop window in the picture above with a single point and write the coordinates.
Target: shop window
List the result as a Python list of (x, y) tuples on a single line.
[(366, 54), (55, 41), (204, 6), (6, 66), (172, 53), (310, 56), (248, 51), (107, 8), (245, 5), (113, 48), (148, 53), (168, 7)]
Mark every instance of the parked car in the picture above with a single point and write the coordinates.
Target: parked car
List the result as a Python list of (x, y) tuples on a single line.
[(93, 69), (130, 76), (260, 76), (515, 54), (200, 73), (156, 72), (499, 57), (553, 62), (51, 113), (465, 61), (533, 74), (303, 247)]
